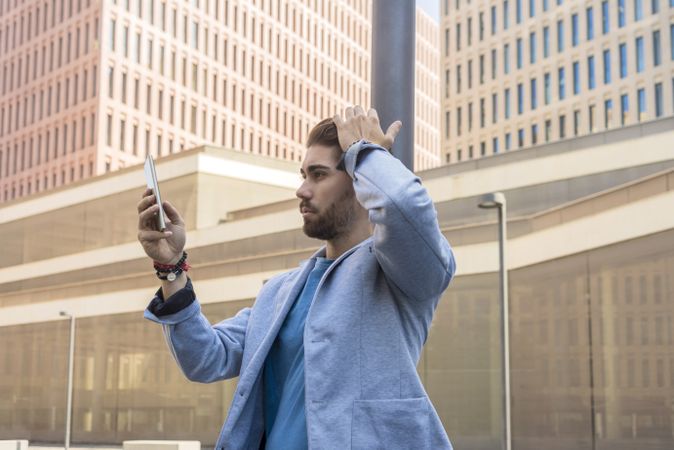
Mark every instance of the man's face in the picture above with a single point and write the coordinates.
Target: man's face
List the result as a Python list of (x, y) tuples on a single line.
[(328, 201)]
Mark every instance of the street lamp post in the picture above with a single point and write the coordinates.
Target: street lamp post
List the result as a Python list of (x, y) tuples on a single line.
[(490, 201), (71, 360)]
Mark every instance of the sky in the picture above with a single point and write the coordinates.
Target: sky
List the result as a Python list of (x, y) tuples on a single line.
[(430, 7)]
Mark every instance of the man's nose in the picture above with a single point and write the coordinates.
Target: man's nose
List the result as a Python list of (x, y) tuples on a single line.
[(303, 191)]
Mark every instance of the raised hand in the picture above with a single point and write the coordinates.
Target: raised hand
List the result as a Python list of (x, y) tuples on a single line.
[(356, 125), (165, 247)]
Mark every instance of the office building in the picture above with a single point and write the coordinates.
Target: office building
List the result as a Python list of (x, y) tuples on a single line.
[(92, 87), (519, 73)]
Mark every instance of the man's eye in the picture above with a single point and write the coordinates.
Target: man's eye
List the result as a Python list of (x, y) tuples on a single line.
[(319, 174)]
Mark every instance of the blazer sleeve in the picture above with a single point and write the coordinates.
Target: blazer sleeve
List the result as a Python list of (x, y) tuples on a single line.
[(408, 244), (204, 352)]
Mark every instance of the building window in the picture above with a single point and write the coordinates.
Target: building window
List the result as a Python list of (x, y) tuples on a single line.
[(623, 60), (608, 113), (458, 121), (546, 41), (111, 81), (562, 83), (656, 48), (640, 54), (520, 138), (494, 108), (494, 145), (534, 134), (576, 122), (111, 36), (532, 47), (589, 16), (605, 17), (458, 37), (641, 104), (548, 130), (621, 13), (560, 36), (518, 11), (547, 89), (562, 126), (590, 114), (534, 99), (506, 103), (506, 22), (624, 109), (506, 55), (493, 64), (658, 99), (655, 6), (590, 72), (518, 50), (638, 10), (520, 98), (507, 141), (671, 41), (576, 78), (607, 66), (574, 30), (108, 131), (493, 20)]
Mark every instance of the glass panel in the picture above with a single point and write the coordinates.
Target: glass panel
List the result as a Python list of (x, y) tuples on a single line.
[(462, 360)]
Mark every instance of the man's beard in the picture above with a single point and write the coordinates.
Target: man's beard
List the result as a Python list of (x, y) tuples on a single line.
[(333, 221)]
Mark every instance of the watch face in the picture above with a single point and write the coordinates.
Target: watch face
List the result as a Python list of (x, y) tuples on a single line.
[(171, 276)]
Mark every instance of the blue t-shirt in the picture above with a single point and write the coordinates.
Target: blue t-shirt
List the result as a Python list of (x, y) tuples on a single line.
[(284, 413)]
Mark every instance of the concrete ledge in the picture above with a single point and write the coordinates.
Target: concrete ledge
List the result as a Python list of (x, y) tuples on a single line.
[(14, 445), (162, 445)]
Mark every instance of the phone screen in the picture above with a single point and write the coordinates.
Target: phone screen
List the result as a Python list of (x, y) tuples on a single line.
[(151, 180)]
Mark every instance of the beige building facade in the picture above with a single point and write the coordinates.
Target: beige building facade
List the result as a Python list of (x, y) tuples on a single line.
[(518, 73), (590, 245), (90, 87)]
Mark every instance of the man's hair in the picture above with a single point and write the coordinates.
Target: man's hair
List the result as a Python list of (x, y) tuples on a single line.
[(325, 133)]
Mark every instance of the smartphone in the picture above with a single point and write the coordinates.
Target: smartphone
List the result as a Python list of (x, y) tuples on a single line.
[(151, 180)]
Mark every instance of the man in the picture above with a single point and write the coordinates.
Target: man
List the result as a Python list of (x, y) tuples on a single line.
[(327, 354)]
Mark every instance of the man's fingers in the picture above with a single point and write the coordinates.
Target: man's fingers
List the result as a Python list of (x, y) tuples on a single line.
[(172, 214), (394, 129), (338, 120), (372, 114), (152, 236), (146, 217), (147, 192), (358, 111), (348, 113), (146, 202)]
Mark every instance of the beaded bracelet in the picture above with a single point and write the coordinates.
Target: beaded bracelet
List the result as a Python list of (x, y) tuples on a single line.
[(172, 270)]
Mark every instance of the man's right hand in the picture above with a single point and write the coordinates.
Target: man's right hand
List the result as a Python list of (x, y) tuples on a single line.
[(165, 247)]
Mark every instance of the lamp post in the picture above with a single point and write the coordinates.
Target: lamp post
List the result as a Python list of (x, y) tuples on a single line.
[(71, 355), (490, 201)]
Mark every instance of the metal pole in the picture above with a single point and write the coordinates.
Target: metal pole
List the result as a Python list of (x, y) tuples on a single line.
[(393, 61), (503, 282), (71, 360)]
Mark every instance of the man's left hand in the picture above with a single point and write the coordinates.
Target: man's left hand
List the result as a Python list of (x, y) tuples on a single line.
[(356, 126)]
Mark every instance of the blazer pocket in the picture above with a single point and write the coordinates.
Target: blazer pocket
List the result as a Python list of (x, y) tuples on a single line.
[(391, 424)]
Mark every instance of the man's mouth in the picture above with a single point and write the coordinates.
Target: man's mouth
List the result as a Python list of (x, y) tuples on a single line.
[(305, 211)]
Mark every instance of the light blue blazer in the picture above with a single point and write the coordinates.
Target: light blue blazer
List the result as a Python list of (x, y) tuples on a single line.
[(364, 331)]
